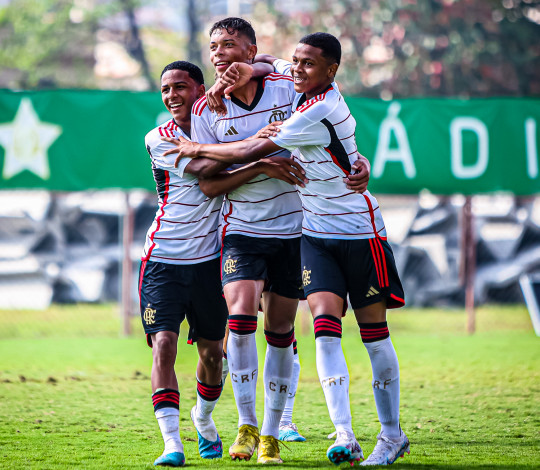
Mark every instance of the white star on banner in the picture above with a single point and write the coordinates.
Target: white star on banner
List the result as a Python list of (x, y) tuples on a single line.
[(26, 141)]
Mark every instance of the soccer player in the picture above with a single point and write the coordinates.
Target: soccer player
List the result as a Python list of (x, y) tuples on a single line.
[(261, 244), (344, 246), (179, 275)]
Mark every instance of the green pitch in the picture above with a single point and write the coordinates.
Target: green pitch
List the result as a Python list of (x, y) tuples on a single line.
[(72, 401)]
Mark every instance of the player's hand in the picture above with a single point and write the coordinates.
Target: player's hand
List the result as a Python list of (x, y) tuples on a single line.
[(269, 130), (359, 177), (236, 76), (284, 169), (184, 148), (214, 98)]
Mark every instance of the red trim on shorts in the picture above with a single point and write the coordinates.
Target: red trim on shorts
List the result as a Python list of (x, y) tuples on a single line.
[(398, 302), (383, 257), (375, 255)]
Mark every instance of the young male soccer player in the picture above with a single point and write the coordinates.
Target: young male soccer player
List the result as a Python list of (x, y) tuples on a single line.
[(179, 275), (344, 247), (261, 242)]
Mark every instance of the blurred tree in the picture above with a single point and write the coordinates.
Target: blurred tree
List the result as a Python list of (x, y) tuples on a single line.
[(398, 48), (391, 48)]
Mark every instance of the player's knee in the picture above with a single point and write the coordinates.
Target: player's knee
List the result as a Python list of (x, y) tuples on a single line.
[(164, 347), (211, 357)]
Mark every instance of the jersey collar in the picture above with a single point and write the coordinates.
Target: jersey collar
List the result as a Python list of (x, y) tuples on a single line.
[(256, 99)]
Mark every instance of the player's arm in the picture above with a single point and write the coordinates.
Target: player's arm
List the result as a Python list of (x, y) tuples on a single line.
[(280, 168), (243, 151), (265, 59), (204, 167), (236, 76)]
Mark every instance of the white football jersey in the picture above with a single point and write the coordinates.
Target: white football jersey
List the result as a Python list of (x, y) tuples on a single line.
[(321, 135), (263, 207), (185, 229)]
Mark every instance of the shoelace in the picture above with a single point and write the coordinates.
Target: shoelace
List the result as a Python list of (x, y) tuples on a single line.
[(245, 437)]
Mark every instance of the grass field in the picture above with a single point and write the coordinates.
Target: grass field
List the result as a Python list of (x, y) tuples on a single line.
[(68, 400)]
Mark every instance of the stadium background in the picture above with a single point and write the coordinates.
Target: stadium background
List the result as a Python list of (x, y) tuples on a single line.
[(449, 58)]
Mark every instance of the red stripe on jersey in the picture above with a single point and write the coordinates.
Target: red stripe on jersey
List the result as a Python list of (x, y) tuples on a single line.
[(264, 220), (309, 103), (160, 132), (185, 259), (273, 234), (158, 219), (262, 200), (335, 160), (371, 215), (252, 114), (341, 233), (334, 125), (274, 77), (199, 106)]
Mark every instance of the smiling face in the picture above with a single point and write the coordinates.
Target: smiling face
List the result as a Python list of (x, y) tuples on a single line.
[(312, 73), (179, 91), (226, 48)]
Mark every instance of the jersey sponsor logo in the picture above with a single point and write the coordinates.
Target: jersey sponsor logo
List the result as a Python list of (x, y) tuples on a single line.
[(306, 276), (277, 115), (372, 291), (149, 315), (229, 266), (231, 131)]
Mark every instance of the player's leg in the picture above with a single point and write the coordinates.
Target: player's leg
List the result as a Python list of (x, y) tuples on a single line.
[(225, 367), (161, 313), (209, 388), (288, 431), (325, 288), (369, 292), (166, 397), (207, 318), (279, 317), (243, 302)]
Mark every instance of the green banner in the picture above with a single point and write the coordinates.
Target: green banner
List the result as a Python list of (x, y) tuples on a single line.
[(71, 140)]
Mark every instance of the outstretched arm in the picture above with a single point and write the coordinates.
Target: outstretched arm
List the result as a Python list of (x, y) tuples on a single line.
[(281, 168), (243, 151)]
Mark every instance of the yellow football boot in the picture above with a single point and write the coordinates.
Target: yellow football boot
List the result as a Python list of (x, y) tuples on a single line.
[(246, 442), (269, 450)]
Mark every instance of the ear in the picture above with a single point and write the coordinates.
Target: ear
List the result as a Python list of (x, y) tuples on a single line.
[(332, 71), (252, 51), (201, 91)]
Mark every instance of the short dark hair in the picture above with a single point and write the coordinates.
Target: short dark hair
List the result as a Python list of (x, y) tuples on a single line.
[(233, 25), (193, 71), (330, 45)]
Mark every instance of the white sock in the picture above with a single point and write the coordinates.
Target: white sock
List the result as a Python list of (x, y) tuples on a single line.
[(277, 380), (385, 367), (286, 417), (168, 420), (203, 418), (334, 378), (243, 370)]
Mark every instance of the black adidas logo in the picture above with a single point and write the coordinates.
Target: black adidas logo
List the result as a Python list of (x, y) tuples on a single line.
[(231, 131)]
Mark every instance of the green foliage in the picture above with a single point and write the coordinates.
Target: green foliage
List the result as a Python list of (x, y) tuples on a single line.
[(467, 401)]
